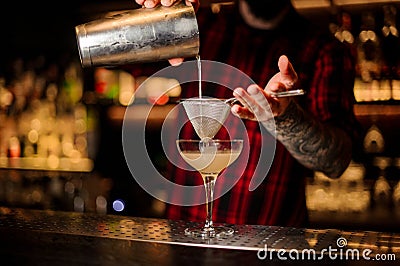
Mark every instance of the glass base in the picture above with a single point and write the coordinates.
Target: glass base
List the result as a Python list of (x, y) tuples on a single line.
[(210, 232)]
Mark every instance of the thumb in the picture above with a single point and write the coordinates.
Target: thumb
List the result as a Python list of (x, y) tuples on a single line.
[(288, 74)]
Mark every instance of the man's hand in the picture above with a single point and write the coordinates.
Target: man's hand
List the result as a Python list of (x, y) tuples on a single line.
[(261, 105)]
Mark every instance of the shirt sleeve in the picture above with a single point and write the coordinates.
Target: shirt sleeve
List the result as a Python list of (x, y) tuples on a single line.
[(330, 95)]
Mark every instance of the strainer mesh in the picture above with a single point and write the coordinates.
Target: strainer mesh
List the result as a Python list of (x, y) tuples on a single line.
[(206, 115)]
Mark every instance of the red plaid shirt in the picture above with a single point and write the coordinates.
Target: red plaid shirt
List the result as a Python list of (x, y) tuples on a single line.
[(326, 71)]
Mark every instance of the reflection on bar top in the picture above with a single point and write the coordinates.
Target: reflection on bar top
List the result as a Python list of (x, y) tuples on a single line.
[(154, 230)]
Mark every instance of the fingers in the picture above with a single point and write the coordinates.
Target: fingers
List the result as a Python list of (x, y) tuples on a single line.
[(175, 61), (258, 95), (255, 103), (153, 3), (167, 2), (140, 2), (287, 73), (150, 3), (241, 95), (242, 112)]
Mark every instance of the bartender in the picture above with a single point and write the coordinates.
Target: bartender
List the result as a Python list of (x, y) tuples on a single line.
[(280, 50)]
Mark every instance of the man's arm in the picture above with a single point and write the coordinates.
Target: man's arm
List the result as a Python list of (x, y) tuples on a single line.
[(318, 146), (321, 147)]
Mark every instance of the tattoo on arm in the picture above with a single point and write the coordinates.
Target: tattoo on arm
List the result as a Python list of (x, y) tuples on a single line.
[(319, 147)]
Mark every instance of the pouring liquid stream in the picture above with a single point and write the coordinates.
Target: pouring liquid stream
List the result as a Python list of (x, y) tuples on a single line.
[(199, 74), (200, 88)]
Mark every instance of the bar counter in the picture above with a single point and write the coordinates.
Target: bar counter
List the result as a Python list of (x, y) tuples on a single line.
[(40, 237)]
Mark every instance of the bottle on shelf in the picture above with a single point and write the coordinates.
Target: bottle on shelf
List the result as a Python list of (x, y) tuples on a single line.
[(396, 188), (369, 60), (391, 51), (382, 191), (341, 28), (343, 32), (374, 142)]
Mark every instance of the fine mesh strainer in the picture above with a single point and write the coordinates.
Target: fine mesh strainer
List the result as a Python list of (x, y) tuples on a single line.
[(206, 115)]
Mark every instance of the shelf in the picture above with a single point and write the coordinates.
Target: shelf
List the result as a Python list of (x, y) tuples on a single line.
[(155, 115), (377, 109), (47, 164)]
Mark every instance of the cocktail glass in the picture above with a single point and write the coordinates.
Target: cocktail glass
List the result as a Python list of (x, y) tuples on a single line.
[(209, 158)]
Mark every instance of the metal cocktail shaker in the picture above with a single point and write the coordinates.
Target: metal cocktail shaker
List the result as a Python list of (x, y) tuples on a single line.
[(139, 35)]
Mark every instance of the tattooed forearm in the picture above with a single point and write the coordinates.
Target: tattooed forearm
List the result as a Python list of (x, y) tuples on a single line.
[(319, 147)]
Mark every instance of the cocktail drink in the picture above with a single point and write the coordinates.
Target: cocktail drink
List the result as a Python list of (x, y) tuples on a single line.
[(209, 157)]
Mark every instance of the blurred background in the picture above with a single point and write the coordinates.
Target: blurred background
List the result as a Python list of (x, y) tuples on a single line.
[(60, 125)]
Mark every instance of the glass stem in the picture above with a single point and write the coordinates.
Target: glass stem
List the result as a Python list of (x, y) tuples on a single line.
[(209, 183)]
